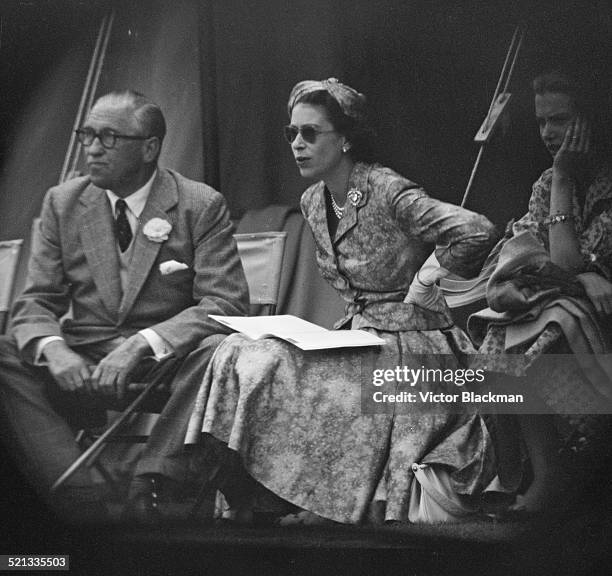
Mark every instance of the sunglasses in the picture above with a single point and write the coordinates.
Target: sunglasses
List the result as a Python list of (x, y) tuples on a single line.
[(308, 133)]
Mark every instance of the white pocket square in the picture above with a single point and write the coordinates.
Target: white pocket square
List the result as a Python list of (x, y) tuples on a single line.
[(171, 266)]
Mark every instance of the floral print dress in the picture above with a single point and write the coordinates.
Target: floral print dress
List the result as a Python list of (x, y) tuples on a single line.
[(564, 387), (303, 421)]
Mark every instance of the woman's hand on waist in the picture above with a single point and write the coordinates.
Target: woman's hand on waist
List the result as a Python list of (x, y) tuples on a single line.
[(423, 290)]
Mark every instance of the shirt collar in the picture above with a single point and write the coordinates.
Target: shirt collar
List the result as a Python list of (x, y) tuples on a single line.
[(136, 200)]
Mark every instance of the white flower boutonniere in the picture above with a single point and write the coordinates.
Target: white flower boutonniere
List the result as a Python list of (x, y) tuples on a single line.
[(157, 230)]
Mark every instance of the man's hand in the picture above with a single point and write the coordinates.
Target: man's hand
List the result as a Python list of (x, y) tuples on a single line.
[(111, 375), (598, 291), (69, 369)]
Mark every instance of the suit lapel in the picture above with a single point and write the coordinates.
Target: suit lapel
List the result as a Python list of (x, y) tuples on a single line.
[(163, 196), (98, 239), (318, 218), (358, 183)]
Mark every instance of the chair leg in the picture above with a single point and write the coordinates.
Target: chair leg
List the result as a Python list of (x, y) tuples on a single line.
[(84, 439)]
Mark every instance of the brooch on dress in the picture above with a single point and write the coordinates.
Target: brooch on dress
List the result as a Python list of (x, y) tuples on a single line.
[(354, 196)]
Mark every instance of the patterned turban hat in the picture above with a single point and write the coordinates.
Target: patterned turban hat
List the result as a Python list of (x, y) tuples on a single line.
[(350, 101)]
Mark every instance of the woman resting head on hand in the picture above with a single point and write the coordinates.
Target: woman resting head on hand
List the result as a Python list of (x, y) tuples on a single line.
[(572, 126), (570, 216)]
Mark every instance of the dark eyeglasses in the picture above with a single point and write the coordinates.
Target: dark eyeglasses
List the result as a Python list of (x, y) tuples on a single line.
[(308, 133), (107, 137)]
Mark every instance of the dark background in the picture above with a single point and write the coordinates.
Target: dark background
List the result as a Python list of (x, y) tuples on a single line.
[(428, 68)]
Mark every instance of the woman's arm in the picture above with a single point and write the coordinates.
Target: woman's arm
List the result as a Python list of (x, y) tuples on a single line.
[(562, 237), (462, 238)]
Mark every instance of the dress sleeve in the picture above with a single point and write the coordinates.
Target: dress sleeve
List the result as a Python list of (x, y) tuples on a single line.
[(462, 238), (537, 211), (595, 240)]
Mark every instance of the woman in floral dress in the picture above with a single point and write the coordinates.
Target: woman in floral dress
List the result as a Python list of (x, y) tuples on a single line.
[(570, 221), (303, 424)]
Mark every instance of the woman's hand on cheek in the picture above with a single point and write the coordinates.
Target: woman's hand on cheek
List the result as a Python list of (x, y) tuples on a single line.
[(575, 149), (598, 291)]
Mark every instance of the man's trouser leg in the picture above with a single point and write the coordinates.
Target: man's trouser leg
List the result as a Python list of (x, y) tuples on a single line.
[(41, 440), (165, 451), (36, 415)]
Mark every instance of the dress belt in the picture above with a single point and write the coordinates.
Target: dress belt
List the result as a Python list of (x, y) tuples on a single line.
[(358, 304)]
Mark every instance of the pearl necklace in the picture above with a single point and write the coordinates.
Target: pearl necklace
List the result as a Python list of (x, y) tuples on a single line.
[(338, 211)]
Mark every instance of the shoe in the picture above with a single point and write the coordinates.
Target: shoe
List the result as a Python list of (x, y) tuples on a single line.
[(148, 499)]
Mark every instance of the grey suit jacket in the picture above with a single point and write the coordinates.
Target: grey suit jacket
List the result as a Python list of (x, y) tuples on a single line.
[(74, 266), (383, 239)]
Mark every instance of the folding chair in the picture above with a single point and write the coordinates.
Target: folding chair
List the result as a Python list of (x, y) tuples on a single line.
[(126, 426), (9, 258), (261, 255)]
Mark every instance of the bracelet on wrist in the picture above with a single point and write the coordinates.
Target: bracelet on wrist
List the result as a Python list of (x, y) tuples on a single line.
[(557, 219)]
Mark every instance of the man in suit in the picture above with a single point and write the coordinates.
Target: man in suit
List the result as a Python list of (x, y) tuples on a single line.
[(126, 265)]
